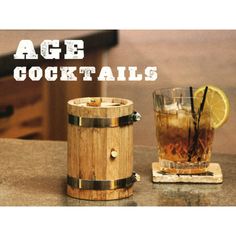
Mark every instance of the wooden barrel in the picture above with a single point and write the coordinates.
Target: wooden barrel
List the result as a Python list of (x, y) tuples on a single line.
[(100, 148)]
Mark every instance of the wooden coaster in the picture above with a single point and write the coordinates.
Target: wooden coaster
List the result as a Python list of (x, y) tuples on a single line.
[(212, 176)]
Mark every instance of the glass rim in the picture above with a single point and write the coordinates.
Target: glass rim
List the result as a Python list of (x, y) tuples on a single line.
[(205, 113), (172, 88), (160, 91)]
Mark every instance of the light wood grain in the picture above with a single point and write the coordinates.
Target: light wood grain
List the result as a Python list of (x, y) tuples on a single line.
[(89, 150)]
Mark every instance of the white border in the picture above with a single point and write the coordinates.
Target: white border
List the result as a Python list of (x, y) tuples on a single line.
[(87, 14), (117, 221), (105, 14)]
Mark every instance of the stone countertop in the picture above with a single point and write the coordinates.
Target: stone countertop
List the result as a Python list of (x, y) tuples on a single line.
[(33, 173)]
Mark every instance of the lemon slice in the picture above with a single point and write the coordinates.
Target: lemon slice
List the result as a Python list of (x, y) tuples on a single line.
[(216, 102)]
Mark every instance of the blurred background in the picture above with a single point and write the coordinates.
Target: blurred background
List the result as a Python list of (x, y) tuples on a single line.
[(37, 110)]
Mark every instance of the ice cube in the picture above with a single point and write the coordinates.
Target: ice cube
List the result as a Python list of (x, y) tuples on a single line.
[(171, 108), (179, 106), (187, 108)]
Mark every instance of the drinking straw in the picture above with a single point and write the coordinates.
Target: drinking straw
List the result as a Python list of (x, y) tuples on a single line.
[(191, 99), (193, 148), (192, 108), (203, 99), (202, 105)]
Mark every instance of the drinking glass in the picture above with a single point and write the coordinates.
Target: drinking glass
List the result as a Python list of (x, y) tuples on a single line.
[(184, 131)]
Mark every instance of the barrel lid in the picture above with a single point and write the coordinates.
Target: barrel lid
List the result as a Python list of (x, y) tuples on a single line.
[(100, 106), (100, 102)]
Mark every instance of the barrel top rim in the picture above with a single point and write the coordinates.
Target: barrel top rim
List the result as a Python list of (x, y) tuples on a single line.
[(76, 101)]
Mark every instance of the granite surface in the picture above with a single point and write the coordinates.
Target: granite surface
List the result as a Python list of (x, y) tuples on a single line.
[(33, 173)]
